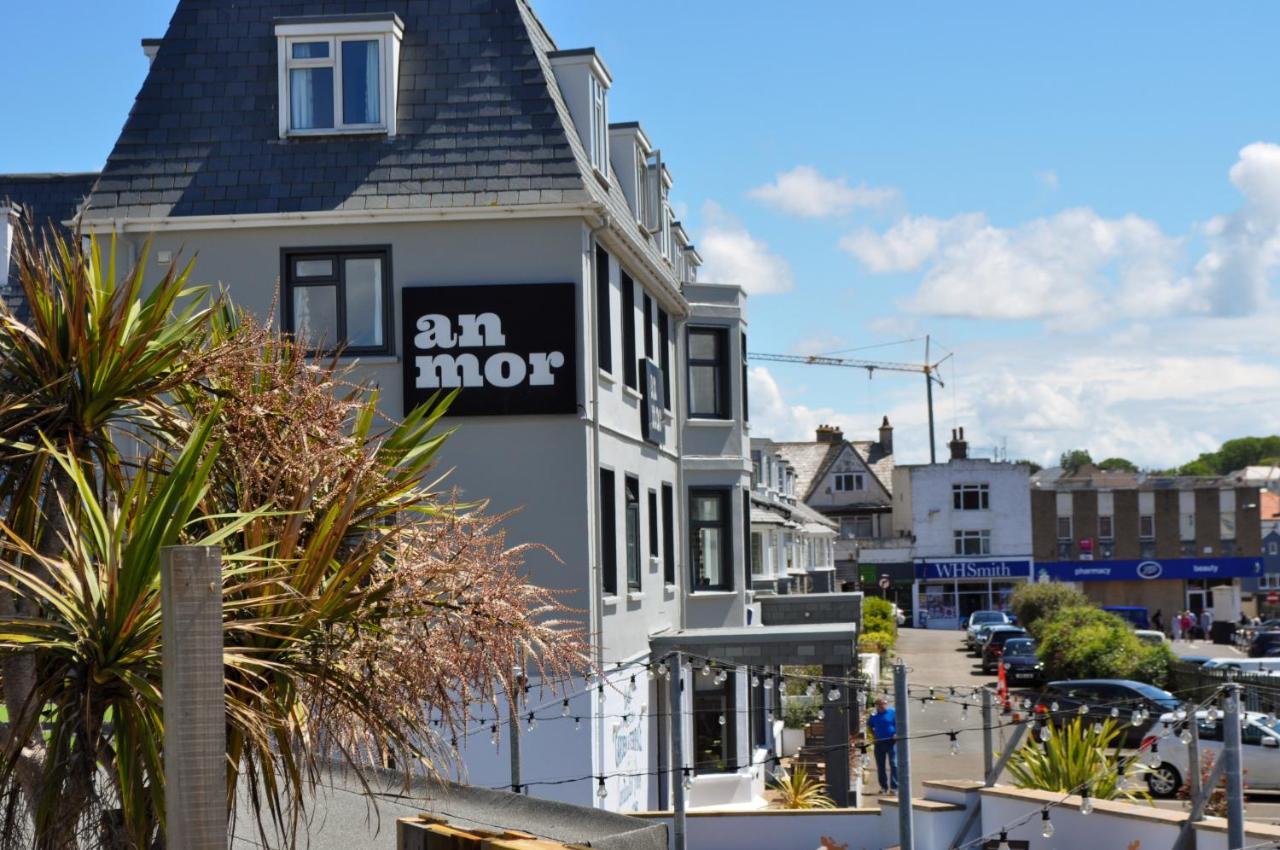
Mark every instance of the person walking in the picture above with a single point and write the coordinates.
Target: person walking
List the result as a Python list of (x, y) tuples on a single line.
[(883, 724), (1188, 623), (1206, 622), (1175, 623), (1157, 621)]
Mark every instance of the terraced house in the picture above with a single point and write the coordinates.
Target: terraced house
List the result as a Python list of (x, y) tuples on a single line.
[(436, 187)]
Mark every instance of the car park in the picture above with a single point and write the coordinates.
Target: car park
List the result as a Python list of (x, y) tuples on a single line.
[(983, 618), (1259, 751), (1060, 701), (1021, 664), (1243, 665), (993, 649), (981, 635)]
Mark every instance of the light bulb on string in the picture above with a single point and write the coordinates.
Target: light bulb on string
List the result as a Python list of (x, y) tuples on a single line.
[(650, 672), (1097, 727), (1082, 710), (496, 738), (812, 690), (1086, 802), (1115, 712), (577, 723), (1053, 707), (706, 669), (1003, 843), (821, 714), (722, 720), (1153, 757), (924, 705), (768, 683), (955, 744), (1046, 825), (964, 711), (688, 780), (1136, 718), (1044, 732), (601, 791), (755, 681), (864, 760), (564, 708), (532, 722), (1185, 737), (833, 695)]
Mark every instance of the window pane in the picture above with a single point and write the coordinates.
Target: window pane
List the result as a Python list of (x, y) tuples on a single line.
[(702, 346), (703, 390), (707, 555), (311, 50), (360, 82), (364, 301), (706, 508), (313, 268), (311, 98), (315, 314)]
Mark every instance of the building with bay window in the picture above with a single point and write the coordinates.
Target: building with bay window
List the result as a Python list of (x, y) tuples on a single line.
[(443, 197)]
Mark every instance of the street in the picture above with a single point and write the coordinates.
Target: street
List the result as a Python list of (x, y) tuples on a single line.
[(937, 659)]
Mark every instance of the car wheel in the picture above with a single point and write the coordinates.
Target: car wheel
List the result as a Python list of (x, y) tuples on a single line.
[(1164, 781)]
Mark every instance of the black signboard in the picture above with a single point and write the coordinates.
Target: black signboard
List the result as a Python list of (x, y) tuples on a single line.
[(512, 348), (651, 410)]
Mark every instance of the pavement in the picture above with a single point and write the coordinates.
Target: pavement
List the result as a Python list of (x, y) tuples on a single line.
[(936, 658)]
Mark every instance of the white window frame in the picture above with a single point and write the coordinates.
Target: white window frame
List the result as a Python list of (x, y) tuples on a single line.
[(1068, 533), (386, 33), (983, 536), (599, 153)]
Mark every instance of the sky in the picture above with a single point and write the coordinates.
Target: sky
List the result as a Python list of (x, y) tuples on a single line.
[(1081, 204)]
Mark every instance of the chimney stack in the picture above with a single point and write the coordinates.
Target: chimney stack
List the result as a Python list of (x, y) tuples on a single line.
[(829, 434), (886, 437), (959, 448)]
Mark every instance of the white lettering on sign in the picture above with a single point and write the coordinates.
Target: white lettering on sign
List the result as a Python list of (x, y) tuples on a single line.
[(482, 330)]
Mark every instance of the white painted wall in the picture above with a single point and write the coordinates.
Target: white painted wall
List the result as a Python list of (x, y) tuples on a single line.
[(933, 519)]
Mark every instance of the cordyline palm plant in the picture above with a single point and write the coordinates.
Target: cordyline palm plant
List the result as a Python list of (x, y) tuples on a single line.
[(357, 602), (798, 789), (1076, 756)]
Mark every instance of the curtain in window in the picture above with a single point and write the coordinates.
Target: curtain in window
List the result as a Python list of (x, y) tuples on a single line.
[(360, 80), (311, 98)]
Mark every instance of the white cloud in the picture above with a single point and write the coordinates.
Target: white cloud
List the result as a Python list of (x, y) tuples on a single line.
[(1048, 179), (1079, 264), (732, 255), (804, 191)]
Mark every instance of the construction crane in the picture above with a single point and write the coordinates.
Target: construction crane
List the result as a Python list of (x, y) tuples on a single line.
[(929, 370)]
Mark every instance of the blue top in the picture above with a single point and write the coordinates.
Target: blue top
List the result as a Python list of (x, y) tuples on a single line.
[(883, 724)]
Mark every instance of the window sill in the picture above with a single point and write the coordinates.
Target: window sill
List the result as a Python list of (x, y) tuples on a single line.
[(601, 176), (669, 590), (606, 378), (609, 599), (712, 594), (335, 131), (635, 596), (704, 422), (372, 359), (631, 391)]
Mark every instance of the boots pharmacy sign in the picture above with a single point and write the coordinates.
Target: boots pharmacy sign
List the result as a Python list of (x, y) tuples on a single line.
[(509, 348)]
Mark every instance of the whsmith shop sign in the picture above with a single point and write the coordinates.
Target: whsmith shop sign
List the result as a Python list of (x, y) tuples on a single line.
[(1149, 569), (973, 569), (509, 348)]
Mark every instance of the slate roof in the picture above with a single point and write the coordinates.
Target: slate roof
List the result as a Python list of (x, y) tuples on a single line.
[(50, 198), (812, 460), (880, 463), (477, 122)]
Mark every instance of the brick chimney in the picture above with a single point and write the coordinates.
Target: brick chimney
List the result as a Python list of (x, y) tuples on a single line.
[(959, 448), (886, 437), (829, 434)]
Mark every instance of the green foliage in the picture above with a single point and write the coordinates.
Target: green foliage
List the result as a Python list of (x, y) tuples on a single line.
[(877, 642), (1033, 604), (798, 790), (1233, 455), (798, 715), (1084, 642), (1075, 754), (877, 616), (801, 675), (1031, 465), (1074, 459), (1118, 464)]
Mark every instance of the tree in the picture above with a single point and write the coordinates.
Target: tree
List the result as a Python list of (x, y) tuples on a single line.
[(352, 588), (1074, 459), (1036, 603), (1084, 642), (1118, 464), (1031, 465)]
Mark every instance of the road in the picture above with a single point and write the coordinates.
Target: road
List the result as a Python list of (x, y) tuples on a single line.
[(936, 658)]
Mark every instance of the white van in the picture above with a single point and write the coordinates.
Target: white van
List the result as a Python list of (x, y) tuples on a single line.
[(1244, 665)]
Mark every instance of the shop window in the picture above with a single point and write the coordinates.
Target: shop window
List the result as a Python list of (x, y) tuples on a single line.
[(1064, 528), (604, 312), (709, 540), (970, 497), (1146, 527), (339, 299), (632, 492), (971, 542), (668, 534), (1106, 528), (708, 373), (714, 725), (608, 534)]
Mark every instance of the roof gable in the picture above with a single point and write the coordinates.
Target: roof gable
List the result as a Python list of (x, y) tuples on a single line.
[(477, 123), (850, 454)]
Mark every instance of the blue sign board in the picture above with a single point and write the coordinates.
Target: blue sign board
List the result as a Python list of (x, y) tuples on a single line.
[(973, 569), (1150, 569)]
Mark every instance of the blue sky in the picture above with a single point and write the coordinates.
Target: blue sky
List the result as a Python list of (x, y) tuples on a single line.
[(1064, 197)]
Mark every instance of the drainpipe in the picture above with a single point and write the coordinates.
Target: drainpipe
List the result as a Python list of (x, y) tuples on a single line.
[(596, 584)]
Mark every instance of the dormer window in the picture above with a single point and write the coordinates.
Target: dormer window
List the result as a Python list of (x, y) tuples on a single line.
[(338, 74), (584, 81)]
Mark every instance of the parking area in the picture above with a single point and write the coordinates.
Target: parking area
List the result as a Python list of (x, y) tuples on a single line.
[(937, 659)]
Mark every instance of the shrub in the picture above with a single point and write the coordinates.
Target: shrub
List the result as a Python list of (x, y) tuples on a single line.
[(1076, 754), (878, 642), (877, 616), (800, 790), (798, 715), (1034, 603), (1083, 642)]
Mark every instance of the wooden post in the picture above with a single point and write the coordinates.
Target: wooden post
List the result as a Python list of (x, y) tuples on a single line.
[(195, 736)]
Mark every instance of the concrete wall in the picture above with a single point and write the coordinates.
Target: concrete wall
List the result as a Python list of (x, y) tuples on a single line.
[(778, 830), (934, 520)]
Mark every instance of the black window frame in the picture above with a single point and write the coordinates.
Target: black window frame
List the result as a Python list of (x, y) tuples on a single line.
[(709, 702), (630, 363), (608, 533), (721, 366), (604, 313), (961, 493), (631, 531), (746, 537), (668, 533), (648, 325), (746, 410), (664, 356), (725, 525), (655, 541), (289, 257)]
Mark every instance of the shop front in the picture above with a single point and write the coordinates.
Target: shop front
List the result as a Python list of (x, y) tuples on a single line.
[(946, 592)]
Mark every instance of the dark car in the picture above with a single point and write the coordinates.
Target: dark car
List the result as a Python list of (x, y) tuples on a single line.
[(1134, 615), (1021, 664), (1061, 701), (993, 649), (1263, 643)]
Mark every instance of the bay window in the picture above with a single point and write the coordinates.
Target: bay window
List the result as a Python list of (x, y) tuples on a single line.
[(709, 538)]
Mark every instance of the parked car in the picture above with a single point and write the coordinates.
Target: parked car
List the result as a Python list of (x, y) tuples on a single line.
[(1243, 665), (1198, 660), (1099, 696), (1021, 664), (1134, 615), (978, 619), (1260, 753), (1150, 636), (993, 649), (1263, 643)]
